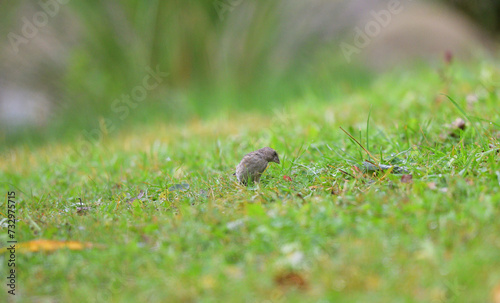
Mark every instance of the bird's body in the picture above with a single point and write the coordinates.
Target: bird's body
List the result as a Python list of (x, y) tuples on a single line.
[(254, 164)]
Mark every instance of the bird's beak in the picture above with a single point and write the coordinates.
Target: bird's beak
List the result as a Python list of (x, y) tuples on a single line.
[(277, 160)]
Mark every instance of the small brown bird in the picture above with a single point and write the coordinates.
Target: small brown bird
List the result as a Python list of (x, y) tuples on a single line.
[(254, 164)]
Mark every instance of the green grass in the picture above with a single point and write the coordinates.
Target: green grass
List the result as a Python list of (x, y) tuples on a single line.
[(345, 234)]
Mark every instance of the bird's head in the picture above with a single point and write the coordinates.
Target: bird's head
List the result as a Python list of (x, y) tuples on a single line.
[(270, 155)]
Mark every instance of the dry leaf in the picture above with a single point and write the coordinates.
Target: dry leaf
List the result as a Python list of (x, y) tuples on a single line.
[(291, 279), (356, 169), (407, 179), (48, 245)]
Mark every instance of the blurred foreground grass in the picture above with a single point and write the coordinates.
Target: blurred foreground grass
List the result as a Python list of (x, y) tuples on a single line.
[(329, 232)]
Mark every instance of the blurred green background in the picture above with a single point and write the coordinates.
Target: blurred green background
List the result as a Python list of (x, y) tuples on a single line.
[(221, 56)]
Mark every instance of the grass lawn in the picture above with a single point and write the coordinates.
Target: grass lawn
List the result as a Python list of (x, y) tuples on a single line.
[(319, 228)]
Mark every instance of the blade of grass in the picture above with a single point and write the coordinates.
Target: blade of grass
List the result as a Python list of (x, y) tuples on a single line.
[(359, 144), (368, 127)]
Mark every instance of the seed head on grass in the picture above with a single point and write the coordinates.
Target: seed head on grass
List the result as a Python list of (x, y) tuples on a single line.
[(254, 164)]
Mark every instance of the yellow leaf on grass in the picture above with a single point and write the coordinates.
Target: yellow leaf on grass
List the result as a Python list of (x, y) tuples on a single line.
[(496, 294), (46, 245)]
